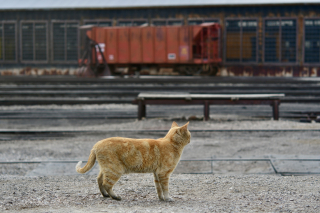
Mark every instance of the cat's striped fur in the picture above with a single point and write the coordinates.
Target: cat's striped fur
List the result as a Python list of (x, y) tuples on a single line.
[(117, 156)]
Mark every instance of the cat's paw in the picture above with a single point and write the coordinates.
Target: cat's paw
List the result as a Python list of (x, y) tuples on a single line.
[(169, 199), (161, 198), (105, 195), (116, 197)]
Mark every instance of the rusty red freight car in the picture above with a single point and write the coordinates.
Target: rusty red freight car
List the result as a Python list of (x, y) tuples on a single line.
[(159, 50)]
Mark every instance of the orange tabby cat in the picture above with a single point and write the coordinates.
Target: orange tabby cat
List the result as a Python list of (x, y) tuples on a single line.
[(117, 156)]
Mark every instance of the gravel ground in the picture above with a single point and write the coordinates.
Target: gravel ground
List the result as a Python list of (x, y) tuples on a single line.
[(191, 193), (232, 186)]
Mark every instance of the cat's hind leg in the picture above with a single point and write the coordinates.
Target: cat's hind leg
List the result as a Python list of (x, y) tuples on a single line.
[(158, 186), (100, 183), (164, 182), (109, 179)]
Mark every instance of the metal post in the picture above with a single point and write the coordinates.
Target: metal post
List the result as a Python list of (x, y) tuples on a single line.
[(34, 41), (241, 42), (202, 44), (280, 40), (141, 109), (211, 165), (206, 110), (275, 109)]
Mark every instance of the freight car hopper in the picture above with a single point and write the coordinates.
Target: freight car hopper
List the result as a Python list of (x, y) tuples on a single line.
[(173, 50)]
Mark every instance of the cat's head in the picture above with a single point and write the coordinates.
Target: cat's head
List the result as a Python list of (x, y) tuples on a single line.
[(180, 135)]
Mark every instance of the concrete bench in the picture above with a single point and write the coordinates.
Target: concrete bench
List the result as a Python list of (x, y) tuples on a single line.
[(206, 100)]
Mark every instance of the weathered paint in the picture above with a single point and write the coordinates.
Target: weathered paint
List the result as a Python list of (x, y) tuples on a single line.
[(136, 45), (270, 71), (38, 71)]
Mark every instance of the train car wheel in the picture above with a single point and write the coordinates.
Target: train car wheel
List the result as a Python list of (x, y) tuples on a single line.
[(189, 70), (208, 70)]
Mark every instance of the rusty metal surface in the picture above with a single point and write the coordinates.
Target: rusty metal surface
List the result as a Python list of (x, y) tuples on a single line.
[(236, 70), (269, 71), (38, 71)]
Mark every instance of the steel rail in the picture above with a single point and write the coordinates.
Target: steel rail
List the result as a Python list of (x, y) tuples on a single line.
[(170, 87), (25, 131), (50, 101), (106, 100), (113, 115), (154, 79), (269, 160)]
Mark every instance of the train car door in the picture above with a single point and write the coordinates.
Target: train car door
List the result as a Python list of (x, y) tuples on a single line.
[(184, 44), (111, 50), (135, 45), (148, 44), (173, 44), (160, 45), (123, 45)]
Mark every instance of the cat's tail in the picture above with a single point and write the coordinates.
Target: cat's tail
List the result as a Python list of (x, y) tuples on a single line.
[(89, 165)]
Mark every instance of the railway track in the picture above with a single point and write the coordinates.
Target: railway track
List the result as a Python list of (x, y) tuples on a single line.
[(18, 134), (131, 114), (27, 90), (70, 90)]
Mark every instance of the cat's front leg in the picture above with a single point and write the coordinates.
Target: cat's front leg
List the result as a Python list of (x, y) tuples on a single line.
[(158, 186), (164, 182)]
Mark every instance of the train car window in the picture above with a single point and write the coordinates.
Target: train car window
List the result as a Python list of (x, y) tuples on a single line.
[(27, 44), (312, 40), (280, 40), (178, 22), (65, 41), (202, 20), (59, 41), (72, 41), (241, 40), (95, 23), (159, 22), (249, 40), (105, 24), (233, 41), (34, 42), (288, 40), (99, 23), (8, 41), (40, 37), (139, 23), (195, 21), (130, 23), (124, 23), (272, 41), (210, 20), (1, 42)]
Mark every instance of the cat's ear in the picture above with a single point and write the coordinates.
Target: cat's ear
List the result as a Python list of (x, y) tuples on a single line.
[(184, 127), (174, 124)]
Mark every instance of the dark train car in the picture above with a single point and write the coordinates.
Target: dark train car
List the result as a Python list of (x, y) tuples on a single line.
[(186, 49), (259, 38)]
